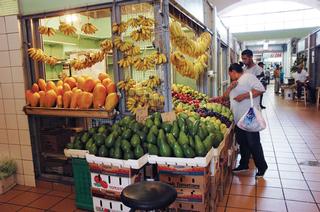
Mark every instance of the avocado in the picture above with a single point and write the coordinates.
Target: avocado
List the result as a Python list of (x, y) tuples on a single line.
[(183, 138), (145, 129), (115, 128), (195, 127), (142, 135), (111, 153), (182, 124), (85, 137), (128, 155), (135, 140), (89, 143), (103, 152), (183, 115), (127, 134), (202, 132), (189, 124), (217, 140), (199, 147), (188, 151), (69, 145), (135, 127), (154, 130), (99, 139), (117, 143), (161, 137), (167, 127), (208, 142), (171, 139), (149, 122), (102, 128), (125, 121), (92, 131), (138, 151), (151, 138), (77, 145), (157, 121), (175, 129), (110, 140), (125, 145), (93, 149), (117, 153), (191, 141), (152, 149), (164, 149), (177, 150)]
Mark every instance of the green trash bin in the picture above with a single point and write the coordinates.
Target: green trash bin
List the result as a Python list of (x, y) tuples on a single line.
[(82, 183)]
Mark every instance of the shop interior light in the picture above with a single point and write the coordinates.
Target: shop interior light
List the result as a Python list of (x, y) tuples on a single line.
[(265, 45), (71, 18)]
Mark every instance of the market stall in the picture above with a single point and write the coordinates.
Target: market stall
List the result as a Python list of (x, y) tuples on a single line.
[(116, 86)]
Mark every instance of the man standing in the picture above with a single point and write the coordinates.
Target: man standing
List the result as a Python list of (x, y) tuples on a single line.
[(251, 67), (301, 78), (277, 79), (238, 93)]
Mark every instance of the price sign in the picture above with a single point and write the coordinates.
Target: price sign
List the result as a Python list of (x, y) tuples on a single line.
[(142, 114), (168, 117)]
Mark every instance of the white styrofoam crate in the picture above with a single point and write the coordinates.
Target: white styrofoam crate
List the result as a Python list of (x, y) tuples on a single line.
[(100, 205), (197, 161), (133, 164), (75, 153)]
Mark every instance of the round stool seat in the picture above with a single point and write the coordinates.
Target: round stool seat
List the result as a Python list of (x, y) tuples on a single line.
[(148, 195)]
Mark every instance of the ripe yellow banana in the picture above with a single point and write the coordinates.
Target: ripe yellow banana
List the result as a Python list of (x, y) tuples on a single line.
[(89, 28), (67, 29), (49, 31)]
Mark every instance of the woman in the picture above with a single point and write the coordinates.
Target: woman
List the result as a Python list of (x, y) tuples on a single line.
[(238, 93), (277, 79)]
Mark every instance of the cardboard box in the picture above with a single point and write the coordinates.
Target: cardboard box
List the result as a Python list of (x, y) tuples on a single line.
[(186, 182), (192, 196), (183, 170), (190, 207), (7, 183), (103, 205), (114, 182)]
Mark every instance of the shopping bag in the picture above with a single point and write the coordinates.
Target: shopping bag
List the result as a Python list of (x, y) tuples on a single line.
[(252, 120)]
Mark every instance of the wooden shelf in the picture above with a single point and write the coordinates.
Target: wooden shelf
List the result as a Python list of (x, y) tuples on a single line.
[(68, 112)]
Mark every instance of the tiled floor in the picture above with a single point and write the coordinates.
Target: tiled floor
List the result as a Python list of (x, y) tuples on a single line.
[(56, 198), (290, 184)]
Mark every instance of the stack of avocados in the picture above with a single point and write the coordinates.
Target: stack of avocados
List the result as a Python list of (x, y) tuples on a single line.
[(186, 137)]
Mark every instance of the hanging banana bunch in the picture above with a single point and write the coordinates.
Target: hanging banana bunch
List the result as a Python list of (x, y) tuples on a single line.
[(125, 62), (49, 31), (106, 45), (153, 82), (159, 58), (39, 55), (67, 29), (141, 34), (126, 84), (140, 21), (119, 28), (89, 28), (89, 60), (143, 64)]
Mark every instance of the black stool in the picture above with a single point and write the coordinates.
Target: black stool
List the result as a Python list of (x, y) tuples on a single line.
[(150, 195)]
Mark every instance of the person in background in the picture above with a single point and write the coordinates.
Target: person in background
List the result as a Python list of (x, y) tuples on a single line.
[(263, 80), (251, 67), (301, 77), (277, 79), (267, 74), (238, 93), (281, 75)]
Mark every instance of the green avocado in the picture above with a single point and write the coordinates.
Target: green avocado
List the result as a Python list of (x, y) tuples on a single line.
[(125, 145), (188, 151), (110, 140), (128, 155), (142, 135), (135, 140), (154, 130), (111, 153), (92, 130), (138, 152), (167, 127), (208, 142), (164, 149), (151, 138), (127, 134), (199, 147), (177, 150), (171, 139), (85, 137), (175, 129), (103, 151), (183, 138), (93, 149), (69, 145), (102, 128), (152, 149), (99, 139), (89, 143), (117, 153), (149, 122)]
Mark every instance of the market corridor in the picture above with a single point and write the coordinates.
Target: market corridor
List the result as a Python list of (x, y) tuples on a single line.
[(292, 148)]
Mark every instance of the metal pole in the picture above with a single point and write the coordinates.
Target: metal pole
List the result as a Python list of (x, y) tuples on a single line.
[(215, 52), (162, 41)]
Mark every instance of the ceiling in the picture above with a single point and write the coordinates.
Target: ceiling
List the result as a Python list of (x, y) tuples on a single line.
[(274, 35)]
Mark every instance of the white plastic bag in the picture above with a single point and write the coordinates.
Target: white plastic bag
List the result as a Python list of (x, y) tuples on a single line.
[(252, 120)]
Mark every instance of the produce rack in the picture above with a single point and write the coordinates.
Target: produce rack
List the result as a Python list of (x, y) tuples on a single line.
[(68, 112)]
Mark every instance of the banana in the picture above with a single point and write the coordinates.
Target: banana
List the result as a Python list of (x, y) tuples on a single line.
[(106, 45), (119, 28), (67, 29), (89, 28), (46, 31)]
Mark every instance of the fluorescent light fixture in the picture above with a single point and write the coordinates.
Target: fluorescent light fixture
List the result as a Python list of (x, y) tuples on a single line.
[(265, 46), (71, 18), (59, 42)]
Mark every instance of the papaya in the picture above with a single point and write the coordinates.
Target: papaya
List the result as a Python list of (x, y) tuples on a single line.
[(59, 90), (28, 96), (106, 82), (67, 99), (71, 81), (42, 84), (111, 101), (34, 99), (50, 85), (89, 85), (99, 96), (80, 81), (59, 83), (50, 98), (66, 87), (35, 87), (86, 100), (111, 88), (59, 101), (103, 76), (75, 89), (42, 98), (74, 98)]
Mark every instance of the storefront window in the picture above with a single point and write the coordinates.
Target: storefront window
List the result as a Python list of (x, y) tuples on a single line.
[(77, 38)]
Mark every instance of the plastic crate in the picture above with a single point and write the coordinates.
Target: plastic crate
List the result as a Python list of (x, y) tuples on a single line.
[(82, 182)]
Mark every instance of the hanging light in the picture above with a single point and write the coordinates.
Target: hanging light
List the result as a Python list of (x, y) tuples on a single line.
[(265, 45)]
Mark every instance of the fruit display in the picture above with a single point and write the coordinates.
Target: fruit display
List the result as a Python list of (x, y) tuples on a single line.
[(89, 28), (48, 31), (142, 94), (141, 34), (188, 136), (39, 55), (216, 110), (89, 60), (119, 28), (81, 92), (220, 100), (67, 29)]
